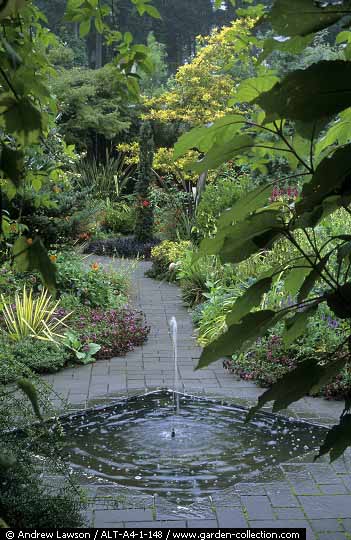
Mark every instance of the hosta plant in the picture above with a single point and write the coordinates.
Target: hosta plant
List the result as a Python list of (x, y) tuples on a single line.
[(33, 317)]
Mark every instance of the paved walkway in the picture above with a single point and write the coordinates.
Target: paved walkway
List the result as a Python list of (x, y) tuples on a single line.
[(315, 496)]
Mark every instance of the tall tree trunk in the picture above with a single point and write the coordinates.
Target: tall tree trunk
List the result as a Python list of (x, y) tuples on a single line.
[(98, 51)]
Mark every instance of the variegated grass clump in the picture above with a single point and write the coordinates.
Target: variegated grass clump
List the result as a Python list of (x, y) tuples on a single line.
[(33, 317)]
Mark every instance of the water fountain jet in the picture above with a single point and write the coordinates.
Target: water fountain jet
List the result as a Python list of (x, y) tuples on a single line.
[(174, 329)]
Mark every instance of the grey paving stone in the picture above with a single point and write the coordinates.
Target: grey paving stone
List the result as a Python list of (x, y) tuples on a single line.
[(326, 525), (332, 489), (156, 525), (202, 524), (302, 484), (231, 517), (289, 513), (326, 506), (258, 506), (283, 499), (111, 516), (323, 474), (346, 523), (347, 481)]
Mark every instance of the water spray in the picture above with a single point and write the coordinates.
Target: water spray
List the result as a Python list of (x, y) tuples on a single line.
[(174, 329)]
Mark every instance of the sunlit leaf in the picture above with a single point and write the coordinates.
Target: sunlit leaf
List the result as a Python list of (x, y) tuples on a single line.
[(250, 89), (11, 164), (295, 326), (29, 389), (22, 118), (312, 278), (248, 203), (203, 138), (251, 298), (337, 167), (252, 326)]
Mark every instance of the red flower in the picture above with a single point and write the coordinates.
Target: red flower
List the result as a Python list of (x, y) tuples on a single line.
[(145, 204)]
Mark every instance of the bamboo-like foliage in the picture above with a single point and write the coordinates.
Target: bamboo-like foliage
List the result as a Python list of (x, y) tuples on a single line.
[(33, 317)]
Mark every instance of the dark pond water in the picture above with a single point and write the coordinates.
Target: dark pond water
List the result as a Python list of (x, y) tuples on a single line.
[(130, 445)]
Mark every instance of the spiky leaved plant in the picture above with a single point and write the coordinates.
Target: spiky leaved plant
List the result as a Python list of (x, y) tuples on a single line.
[(144, 215)]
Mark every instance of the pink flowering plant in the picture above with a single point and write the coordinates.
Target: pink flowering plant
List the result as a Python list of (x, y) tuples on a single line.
[(269, 358), (117, 331)]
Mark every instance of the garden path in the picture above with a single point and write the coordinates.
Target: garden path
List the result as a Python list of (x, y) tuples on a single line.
[(151, 366), (315, 496)]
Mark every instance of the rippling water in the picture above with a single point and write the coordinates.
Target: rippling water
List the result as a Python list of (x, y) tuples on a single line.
[(130, 445)]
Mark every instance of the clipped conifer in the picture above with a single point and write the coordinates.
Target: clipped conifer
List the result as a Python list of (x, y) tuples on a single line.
[(144, 215)]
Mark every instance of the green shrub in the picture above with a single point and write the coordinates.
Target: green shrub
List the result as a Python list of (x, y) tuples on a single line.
[(197, 277), (211, 321), (163, 255), (216, 198), (93, 286), (26, 501), (120, 219), (17, 358), (173, 211), (62, 215)]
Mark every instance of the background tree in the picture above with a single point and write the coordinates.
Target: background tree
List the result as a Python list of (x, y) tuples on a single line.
[(144, 216)]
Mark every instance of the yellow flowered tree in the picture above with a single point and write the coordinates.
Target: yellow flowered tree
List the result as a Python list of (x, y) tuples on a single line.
[(199, 92), (201, 89)]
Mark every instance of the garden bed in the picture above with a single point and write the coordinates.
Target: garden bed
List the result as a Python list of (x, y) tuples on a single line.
[(91, 319)]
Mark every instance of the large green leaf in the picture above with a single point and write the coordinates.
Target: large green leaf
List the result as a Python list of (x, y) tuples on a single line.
[(297, 275), (250, 89), (32, 255), (312, 278), (258, 232), (308, 377), (251, 298), (336, 167), (247, 204), (237, 242), (302, 17), (11, 7), (11, 164), (310, 219), (252, 326), (339, 132), (340, 301), (337, 439), (221, 152), (296, 325), (319, 91), (22, 118), (203, 138), (344, 252)]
